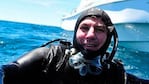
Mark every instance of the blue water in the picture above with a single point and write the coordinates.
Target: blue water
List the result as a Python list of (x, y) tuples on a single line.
[(19, 38)]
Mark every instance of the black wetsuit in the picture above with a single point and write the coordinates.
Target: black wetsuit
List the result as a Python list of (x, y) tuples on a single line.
[(46, 66)]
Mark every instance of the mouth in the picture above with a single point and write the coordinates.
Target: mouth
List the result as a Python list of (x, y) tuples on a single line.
[(90, 46)]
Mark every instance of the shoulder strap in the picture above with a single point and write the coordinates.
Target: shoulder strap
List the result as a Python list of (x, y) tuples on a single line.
[(61, 41)]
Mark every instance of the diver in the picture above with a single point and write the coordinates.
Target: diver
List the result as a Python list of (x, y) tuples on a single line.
[(85, 61)]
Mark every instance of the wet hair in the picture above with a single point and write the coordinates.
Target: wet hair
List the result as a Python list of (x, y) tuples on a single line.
[(107, 21)]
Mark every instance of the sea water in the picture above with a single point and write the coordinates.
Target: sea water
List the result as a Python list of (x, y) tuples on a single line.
[(17, 39)]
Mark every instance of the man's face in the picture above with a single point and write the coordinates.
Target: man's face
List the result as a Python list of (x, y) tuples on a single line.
[(92, 33)]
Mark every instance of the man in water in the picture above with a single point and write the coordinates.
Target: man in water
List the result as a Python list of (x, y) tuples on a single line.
[(85, 62)]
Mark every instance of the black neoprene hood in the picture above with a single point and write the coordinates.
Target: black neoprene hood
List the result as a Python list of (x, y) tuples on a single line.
[(107, 21)]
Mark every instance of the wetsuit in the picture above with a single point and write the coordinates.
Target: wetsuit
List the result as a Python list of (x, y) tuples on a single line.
[(50, 66)]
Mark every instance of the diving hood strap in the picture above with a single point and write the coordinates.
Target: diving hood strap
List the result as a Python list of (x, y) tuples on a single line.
[(115, 38)]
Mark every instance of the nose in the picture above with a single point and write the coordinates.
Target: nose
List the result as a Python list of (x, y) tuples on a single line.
[(91, 32)]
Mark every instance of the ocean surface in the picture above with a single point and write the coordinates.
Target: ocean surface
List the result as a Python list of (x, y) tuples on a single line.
[(19, 38)]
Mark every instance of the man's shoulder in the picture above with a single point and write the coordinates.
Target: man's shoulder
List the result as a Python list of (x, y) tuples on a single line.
[(117, 63)]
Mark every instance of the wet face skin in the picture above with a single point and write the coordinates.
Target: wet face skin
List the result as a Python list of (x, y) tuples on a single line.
[(92, 33)]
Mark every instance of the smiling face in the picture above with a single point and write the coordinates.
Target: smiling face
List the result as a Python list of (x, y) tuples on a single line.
[(91, 33)]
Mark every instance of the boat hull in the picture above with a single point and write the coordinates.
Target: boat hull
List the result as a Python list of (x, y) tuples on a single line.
[(134, 36)]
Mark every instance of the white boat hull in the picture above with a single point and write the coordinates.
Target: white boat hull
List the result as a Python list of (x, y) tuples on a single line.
[(134, 36)]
